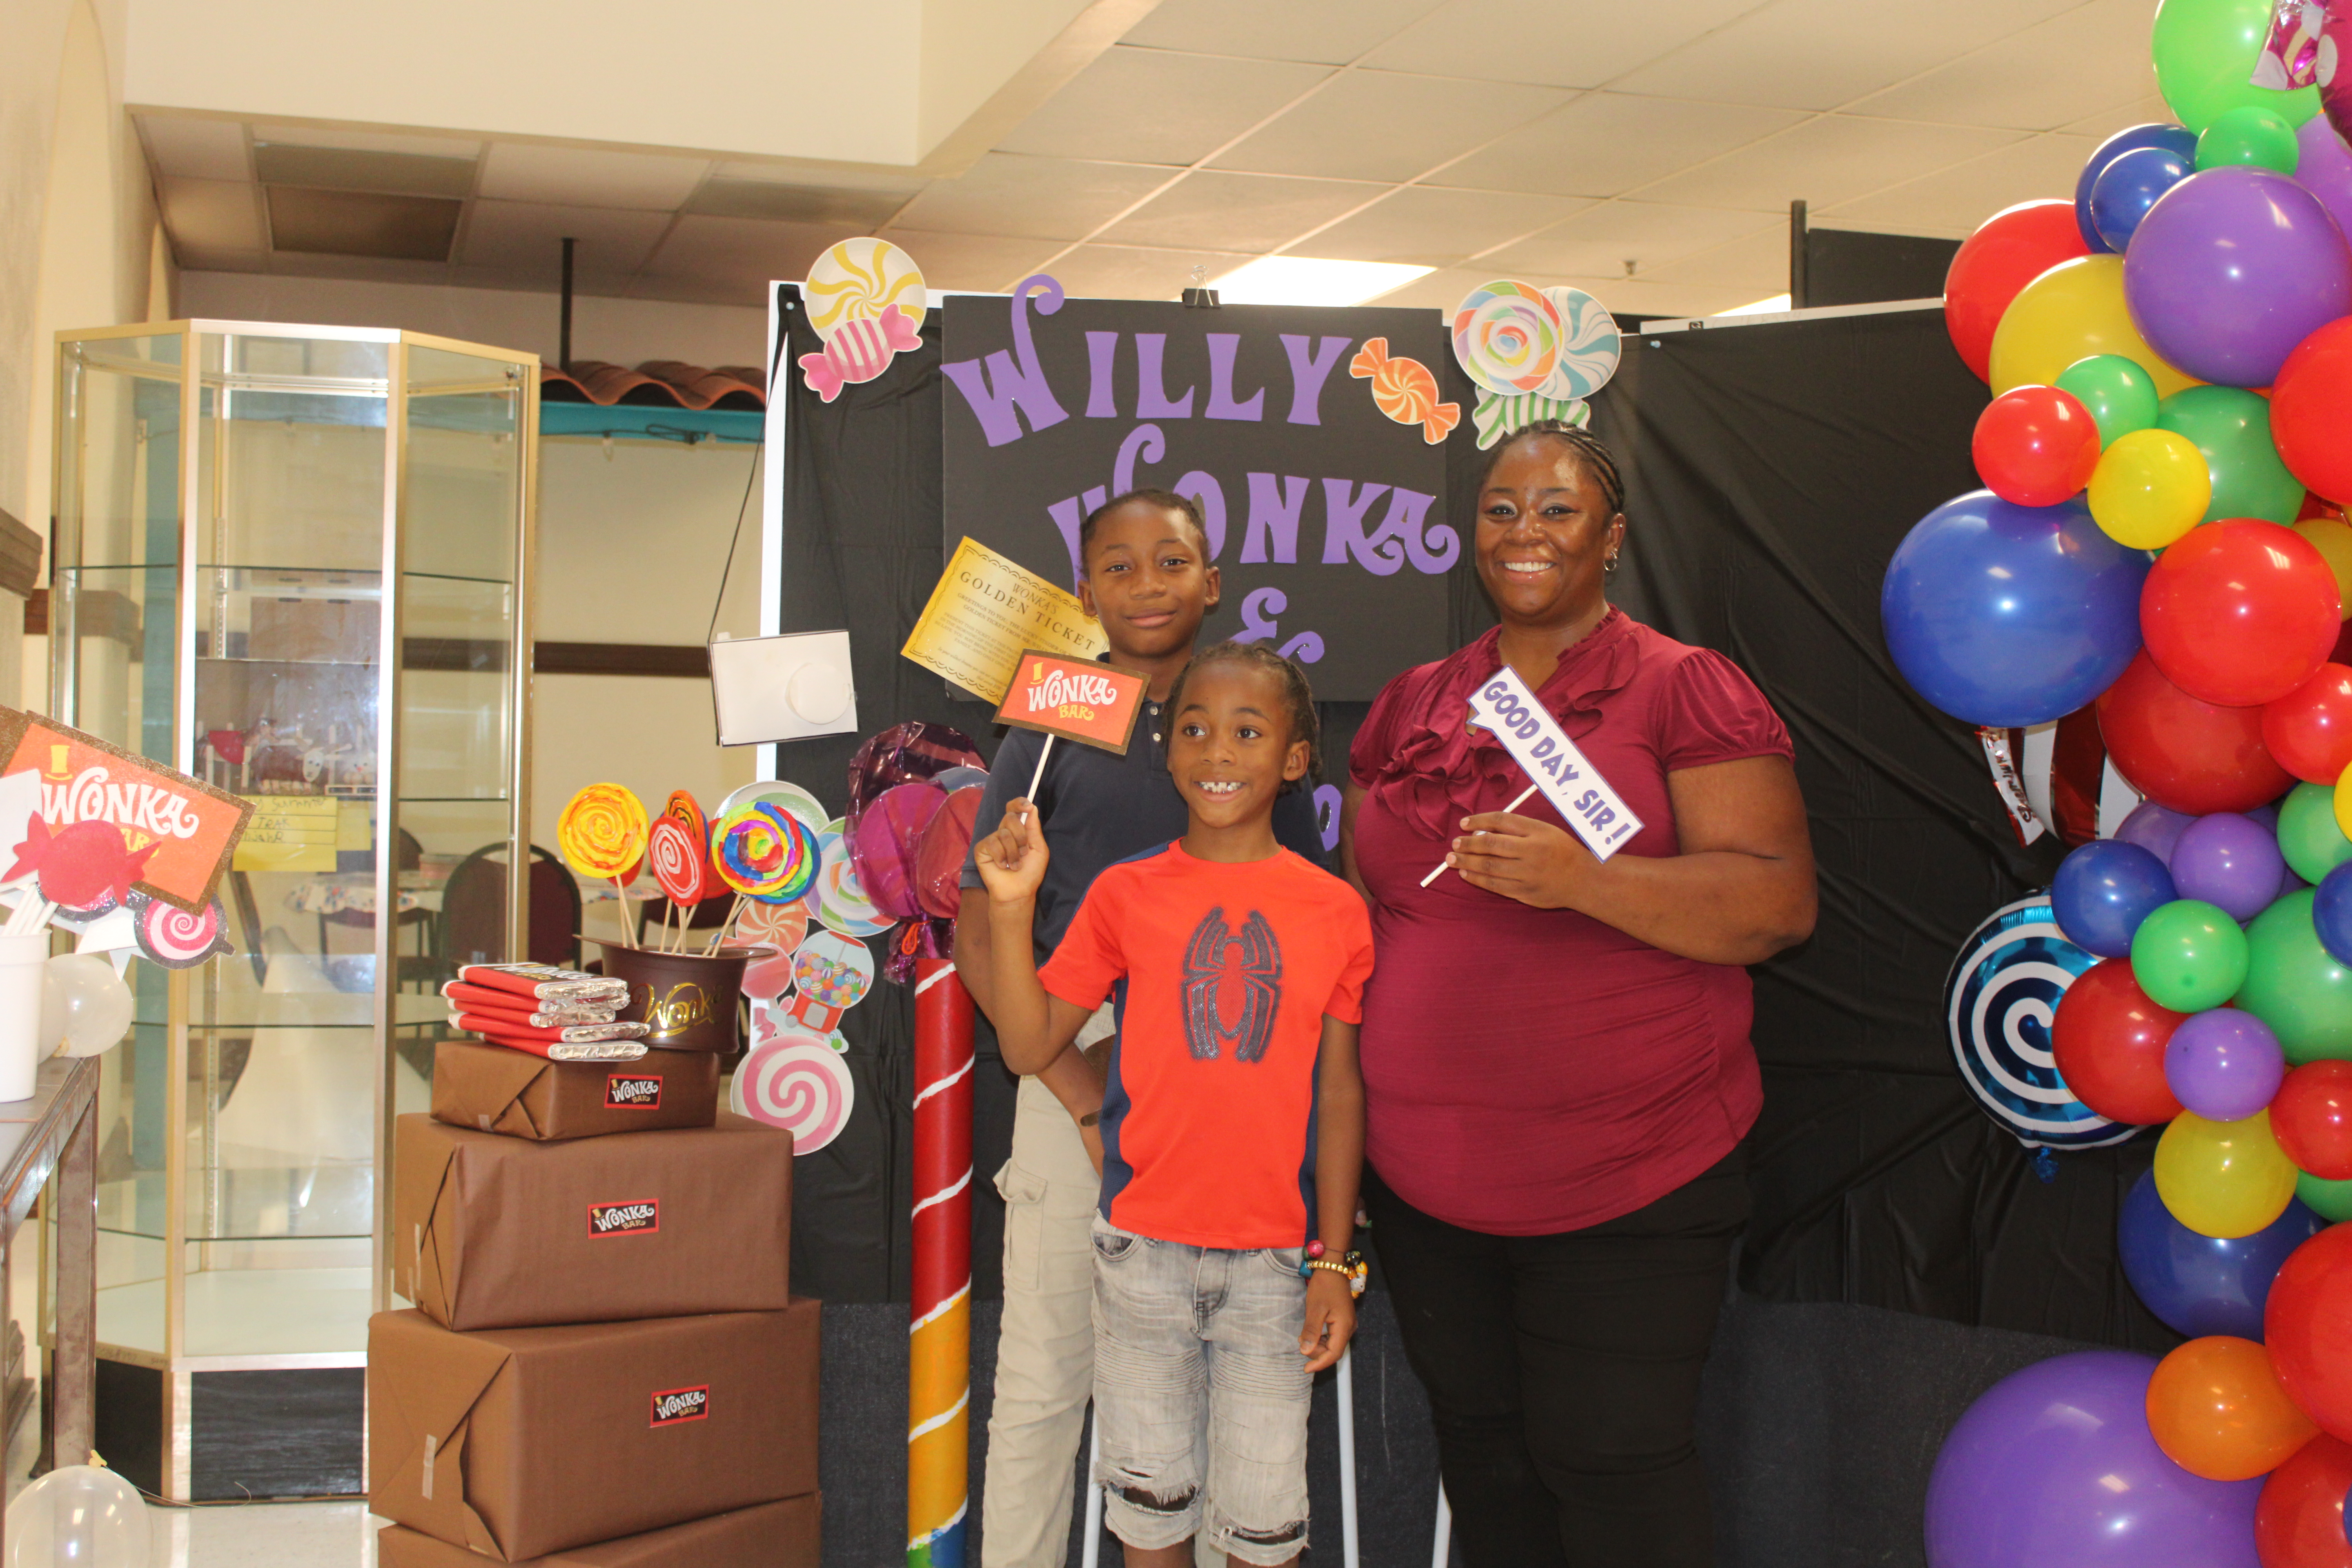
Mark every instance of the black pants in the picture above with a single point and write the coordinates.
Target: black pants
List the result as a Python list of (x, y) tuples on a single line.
[(1563, 1372)]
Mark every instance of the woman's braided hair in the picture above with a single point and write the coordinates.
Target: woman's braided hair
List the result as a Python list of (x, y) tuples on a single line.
[(1590, 449), (1297, 696)]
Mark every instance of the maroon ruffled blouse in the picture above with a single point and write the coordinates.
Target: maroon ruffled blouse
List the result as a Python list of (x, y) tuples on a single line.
[(1529, 1071)]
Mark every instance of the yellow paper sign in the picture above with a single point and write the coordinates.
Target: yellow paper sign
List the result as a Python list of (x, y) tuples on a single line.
[(986, 610), (289, 833)]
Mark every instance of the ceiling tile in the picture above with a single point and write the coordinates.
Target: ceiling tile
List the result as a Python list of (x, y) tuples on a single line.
[(196, 149), (991, 263), (369, 141), (2149, 109), (2045, 77), (1429, 228), (195, 258), (1440, 290), (1386, 125), (742, 251), (348, 169), (212, 215), (1599, 241), (1237, 211), (573, 176), (1152, 106), (1667, 301), (1546, 41), (820, 177), (527, 237), (1955, 200), (795, 203), (1133, 272), (1606, 143), (1832, 159), (1820, 53), (361, 222), (1328, 32), (1040, 198), (1755, 264)]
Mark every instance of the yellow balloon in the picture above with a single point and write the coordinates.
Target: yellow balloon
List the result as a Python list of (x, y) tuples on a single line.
[(2332, 537), (2223, 1178), (2074, 310), (2344, 803), (2149, 488)]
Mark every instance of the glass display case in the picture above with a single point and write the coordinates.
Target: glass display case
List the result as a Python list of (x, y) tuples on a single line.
[(252, 520)]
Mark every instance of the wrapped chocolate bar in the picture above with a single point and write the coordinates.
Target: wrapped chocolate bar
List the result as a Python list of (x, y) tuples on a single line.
[(557, 1035), (562, 1051), (465, 998), (544, 983)]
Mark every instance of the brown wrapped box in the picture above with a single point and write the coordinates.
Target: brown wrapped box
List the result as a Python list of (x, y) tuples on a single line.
[(489, 1088), (492, 1232), (773, 1535), (522, 1442)]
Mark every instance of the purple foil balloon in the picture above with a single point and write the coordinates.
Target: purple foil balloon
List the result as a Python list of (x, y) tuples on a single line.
[(2230, 861), (2323, 167), (887, 841), (2055, 1465), (2231, 269), (2223, 1064), (2155, 829)]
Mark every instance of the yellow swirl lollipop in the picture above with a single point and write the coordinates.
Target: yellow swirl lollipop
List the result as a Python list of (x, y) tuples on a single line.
[(603, 832)]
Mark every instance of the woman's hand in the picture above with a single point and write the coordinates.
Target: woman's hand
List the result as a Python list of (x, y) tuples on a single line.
[(1538, 863), (1330, 1318), (1012, 860)]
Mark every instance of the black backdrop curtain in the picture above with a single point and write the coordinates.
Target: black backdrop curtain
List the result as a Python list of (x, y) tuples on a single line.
[(1771, 470)]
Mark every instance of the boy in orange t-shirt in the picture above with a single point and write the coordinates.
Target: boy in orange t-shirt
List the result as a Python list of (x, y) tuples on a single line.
[(1233, 1122)]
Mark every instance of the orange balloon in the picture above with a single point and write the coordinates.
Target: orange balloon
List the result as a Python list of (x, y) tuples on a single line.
[(2218, 1411)]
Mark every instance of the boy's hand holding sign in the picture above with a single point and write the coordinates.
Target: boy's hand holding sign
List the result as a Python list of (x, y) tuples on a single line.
[(1071, 699)]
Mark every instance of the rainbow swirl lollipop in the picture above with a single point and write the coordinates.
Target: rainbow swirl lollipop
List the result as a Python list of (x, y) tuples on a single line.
[(603, 832), (761, 851), (1507, 337)]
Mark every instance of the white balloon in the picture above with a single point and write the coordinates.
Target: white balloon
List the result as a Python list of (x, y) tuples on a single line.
[(85, 1005), (82, 1515)]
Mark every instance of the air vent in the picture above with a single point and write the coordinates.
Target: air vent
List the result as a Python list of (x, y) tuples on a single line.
[(356, 223)]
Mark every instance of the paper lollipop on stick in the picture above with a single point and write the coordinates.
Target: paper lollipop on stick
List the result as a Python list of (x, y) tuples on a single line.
[(175, 938), (87, 868), (763, 852), (603, 834)]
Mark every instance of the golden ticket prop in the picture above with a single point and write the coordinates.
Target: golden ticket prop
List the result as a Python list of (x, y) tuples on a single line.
[(987, 610)]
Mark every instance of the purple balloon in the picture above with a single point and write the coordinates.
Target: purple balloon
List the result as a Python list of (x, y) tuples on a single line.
[(2223, 1064), (888, 837), (2055, 1465), (2325, 168), (2229, 860), (2231, 269), (2155, 829)]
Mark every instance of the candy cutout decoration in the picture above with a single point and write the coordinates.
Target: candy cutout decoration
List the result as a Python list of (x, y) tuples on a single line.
[(1999, 1000), (686, 812), (840, 897), (1495, 418), (1404, 390), (830, 975), (1590, 346), (797, 1082), (601, 832), (1507, 337), (859, 351), (676, 861), (175, 938), (857, 280), (761, 851), (780, 926), (86, 868)]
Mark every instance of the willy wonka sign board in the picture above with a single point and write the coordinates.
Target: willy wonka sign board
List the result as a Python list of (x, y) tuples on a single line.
[(1312, 439)]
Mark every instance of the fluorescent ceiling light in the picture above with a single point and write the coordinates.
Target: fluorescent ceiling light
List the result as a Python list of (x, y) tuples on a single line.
[(1312, 281), (1759, 308)]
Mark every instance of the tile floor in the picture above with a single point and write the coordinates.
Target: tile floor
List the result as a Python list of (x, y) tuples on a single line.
[(264, 1535)]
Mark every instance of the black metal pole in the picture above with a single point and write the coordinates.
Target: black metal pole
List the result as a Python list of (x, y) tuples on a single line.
[(1797, 279), (563, 343)]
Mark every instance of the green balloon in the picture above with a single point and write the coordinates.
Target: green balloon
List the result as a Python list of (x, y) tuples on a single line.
[(2232, 428), (2188, 955), (2120, 395), (2293, 983), (2205, 52), (2328, 1200), (2249, 135), (2308, 835)]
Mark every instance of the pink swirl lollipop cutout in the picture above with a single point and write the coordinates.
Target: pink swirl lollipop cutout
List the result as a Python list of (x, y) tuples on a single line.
[(676, 860), (796, 1082), (176, 939)]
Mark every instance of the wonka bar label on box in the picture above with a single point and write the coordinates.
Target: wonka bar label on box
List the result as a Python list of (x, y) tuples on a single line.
[(676, 1406), (1506, 707), (638, 1218), (634, 1091), (1076, 699)]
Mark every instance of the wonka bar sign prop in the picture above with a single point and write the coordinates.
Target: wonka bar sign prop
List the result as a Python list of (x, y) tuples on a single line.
[(1577, 791), (1313, 440)]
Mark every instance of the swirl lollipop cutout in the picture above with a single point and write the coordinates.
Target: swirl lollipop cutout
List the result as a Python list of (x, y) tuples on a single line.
[(1590, 345), (601, 832), (780, 926), (686, 812), (797, 1082), (857, 280), (761, 851), (175, 938), (677, 861), (1507, 337)]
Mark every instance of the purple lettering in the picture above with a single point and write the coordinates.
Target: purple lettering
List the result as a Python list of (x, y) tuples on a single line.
[(1102, 363), (1406, 510), (1006, 391), (1308, 372), (1273, 519), (1210, 496), (1151, 399), (1144, 441), (1069, 515), (1343, 529), (1222, 347)]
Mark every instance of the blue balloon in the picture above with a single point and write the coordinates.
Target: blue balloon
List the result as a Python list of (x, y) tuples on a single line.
[(2010, 616), (2127, 187), (2104, 891), (2173, 138), (2204, 1284), (2331, 912)]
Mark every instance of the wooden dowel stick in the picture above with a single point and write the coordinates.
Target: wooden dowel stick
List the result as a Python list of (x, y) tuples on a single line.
[(628, 914), (1513, 806)]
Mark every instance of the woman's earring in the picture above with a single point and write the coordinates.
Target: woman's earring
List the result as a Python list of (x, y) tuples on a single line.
[(1610, 564)]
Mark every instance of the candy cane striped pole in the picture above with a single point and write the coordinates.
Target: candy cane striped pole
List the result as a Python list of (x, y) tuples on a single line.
[(939, 1353)]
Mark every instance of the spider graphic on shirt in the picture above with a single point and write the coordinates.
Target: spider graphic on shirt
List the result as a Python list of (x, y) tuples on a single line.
[(1218, 956)]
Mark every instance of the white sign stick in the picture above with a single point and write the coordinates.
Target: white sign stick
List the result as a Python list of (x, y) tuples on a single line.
[(1439, 869), (1039, 777), (1591, 809)]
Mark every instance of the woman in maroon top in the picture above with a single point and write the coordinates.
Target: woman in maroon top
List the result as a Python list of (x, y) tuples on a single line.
[(1555, 1048)]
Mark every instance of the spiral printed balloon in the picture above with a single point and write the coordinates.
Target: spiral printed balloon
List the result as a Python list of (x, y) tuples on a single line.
[(601, 832), (676, 861), (1998, 1002), (761, 850), (795, 1081), (1590, 345), (1508, 336), (173, 937)]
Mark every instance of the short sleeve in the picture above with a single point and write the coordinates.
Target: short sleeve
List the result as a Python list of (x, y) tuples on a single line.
[(1014, 759), (1372, 745), (1089, 961), (1713, 713), (1346, 1001)]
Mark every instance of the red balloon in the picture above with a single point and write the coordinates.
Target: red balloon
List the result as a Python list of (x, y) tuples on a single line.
[(2311, 1117), (2311, 411), (2109, 1041), (2309, 729), (2307, 1324), (2009, 251), (2299, 1522), (2240, 612), (2193, 757), (2036, 446)]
